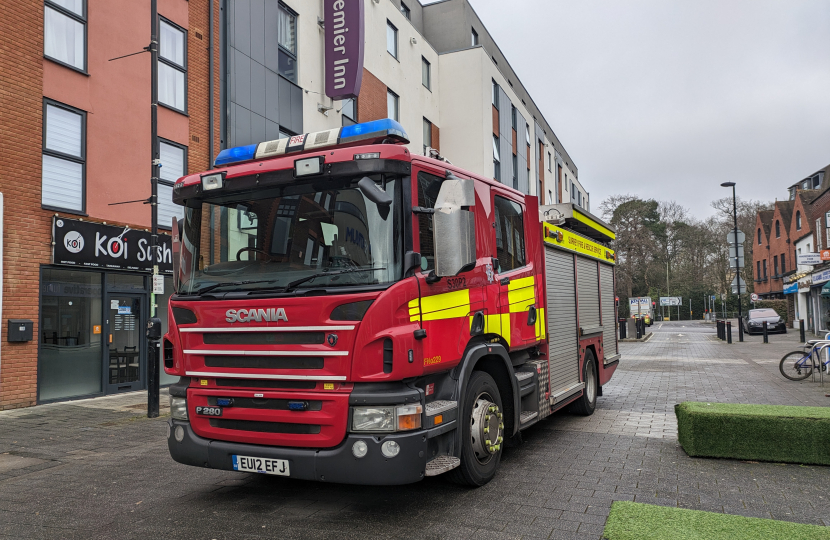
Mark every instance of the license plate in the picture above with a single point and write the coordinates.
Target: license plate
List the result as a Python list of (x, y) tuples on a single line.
[(209, 411), (261, 465)]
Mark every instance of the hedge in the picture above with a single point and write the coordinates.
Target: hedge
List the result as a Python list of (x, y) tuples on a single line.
[(780, 307), (755, 432), (637, 521)]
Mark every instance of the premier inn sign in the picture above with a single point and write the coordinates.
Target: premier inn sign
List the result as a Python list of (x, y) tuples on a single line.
[(343, 47)]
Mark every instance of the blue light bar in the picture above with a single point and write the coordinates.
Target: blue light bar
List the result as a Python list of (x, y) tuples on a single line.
[(235, 155), (373, 132)]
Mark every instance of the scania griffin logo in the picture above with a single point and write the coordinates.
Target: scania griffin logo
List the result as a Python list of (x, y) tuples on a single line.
[(258, 315)]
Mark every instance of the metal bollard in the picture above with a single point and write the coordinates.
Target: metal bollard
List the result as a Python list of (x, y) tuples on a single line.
[(766, 338), (623, 328), (801, 331), (729, 332), (740, 331), (637, 326), (720, 329)]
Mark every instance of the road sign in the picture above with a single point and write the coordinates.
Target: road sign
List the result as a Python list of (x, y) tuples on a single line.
[(731, 237), (735, 281), (732, 251), (809, 259), (753, 297), (671, 300), (723, 297)]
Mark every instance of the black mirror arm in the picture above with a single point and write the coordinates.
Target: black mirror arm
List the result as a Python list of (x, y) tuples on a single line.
[(432, 278)]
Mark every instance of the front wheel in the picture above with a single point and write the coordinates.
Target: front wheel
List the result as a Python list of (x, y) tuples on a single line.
[(796, 366), (482, 432), (586, 404)]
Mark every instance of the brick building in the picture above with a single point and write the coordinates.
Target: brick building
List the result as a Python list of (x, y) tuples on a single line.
[(760, 251)]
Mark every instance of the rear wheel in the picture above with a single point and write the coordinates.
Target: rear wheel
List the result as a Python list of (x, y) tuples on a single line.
[(586, 404), (796, 366), (482, 432)]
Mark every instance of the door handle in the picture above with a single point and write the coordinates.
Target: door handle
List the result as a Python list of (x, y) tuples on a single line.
[(531, 316)]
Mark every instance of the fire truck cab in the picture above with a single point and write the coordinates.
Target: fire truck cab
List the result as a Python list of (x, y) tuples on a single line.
[(346, 311)]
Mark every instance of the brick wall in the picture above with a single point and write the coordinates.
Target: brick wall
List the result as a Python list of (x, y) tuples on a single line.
[(371, 105), (780, 244), (26, 236), (198, 57)]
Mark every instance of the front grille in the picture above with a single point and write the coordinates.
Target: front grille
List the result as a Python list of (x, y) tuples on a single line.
[(265, 362), (266, 427), (263, 338), (268, 404), (256, 383)]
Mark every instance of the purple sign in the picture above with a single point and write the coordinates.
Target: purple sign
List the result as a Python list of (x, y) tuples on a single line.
[(344, 47)]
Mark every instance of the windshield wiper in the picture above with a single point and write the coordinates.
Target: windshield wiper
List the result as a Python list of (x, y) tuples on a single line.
[(209, 288), (300, 281)]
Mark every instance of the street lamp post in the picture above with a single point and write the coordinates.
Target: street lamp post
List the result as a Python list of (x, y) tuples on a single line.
[(737, 258)]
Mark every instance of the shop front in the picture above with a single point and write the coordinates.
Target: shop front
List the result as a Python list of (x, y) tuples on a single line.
[(94, 306), (820, 302)]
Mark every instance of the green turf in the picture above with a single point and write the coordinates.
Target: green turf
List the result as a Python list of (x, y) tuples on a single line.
[(637, 521), (755, 432)]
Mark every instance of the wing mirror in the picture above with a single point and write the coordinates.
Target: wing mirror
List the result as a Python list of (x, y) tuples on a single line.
[(453, 227)]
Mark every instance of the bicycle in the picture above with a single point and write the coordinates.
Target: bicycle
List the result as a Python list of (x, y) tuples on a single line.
[(798, 365)]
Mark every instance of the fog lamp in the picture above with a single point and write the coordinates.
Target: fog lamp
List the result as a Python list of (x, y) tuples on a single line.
[(390, 449), (360, 449), (179, 433)]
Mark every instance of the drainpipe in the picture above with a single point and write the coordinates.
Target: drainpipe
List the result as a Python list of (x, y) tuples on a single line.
[(210, 87), (2, 223)]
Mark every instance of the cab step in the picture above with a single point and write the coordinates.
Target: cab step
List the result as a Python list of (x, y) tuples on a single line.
[(442, 464), (523, 375), (435, 407), (527, 416)]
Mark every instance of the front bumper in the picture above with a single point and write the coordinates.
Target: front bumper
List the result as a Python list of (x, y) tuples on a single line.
[(336, 464)]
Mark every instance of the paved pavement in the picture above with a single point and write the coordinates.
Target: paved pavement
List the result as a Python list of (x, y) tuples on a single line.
[(99, 469)]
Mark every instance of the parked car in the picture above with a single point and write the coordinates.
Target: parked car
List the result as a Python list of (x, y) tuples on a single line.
[(754, 321)]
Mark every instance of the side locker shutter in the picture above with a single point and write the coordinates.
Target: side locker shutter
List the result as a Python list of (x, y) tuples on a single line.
[(561, 314), (588, 283), (609, 316)]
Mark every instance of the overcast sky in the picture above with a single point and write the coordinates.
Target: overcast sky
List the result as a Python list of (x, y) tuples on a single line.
[(667, 99)]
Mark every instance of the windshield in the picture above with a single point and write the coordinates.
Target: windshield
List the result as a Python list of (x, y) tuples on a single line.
[(322, 234), (757, 313)]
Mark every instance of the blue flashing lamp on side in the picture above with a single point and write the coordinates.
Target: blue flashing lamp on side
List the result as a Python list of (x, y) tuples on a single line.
[(235, 155), (386, 128)]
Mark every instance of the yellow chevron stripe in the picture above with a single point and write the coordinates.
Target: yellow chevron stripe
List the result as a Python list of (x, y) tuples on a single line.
[(445, 301), (521, 283), (452, 313), (414, 303), (521, 295), (522, 306), (540, 323)]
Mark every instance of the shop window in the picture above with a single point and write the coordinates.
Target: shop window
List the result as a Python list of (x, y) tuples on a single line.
[(173, 166), (172, 66), (125, 282), (64, 32), (510, 236), (70, 328), (64, 157)]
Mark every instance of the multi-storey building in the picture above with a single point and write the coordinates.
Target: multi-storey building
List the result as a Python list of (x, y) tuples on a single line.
[(76, 119)]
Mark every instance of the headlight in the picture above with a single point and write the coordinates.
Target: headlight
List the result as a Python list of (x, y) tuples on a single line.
[(373, 419), (178, 408)]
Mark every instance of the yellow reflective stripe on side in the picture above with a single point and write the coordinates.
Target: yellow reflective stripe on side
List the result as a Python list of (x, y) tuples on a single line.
[(445, 301), (577, 244), (594, 225), (452, 313), (540, 323), (521, 283), (522, 306), (505, 327), (414, 303), (521, 295)]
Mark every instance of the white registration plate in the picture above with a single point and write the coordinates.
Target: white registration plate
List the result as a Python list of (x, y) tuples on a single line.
[(261, 465)]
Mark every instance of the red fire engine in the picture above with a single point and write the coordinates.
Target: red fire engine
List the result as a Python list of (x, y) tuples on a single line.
[(346, 311)]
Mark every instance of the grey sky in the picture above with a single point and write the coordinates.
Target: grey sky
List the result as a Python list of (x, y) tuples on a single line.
[(667, 99)]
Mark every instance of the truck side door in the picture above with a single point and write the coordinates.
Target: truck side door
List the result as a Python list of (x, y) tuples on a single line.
[(515, 272)]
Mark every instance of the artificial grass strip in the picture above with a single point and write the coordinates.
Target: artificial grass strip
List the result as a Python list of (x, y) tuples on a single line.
[(637, 521), (777, 433)]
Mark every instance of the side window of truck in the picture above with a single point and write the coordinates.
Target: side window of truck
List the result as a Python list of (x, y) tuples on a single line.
[(510, 234), (428, 186)]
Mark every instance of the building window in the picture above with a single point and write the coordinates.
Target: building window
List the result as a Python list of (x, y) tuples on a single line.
[(496, 159), (798, 220), (173, 166), (765, 269), (783, 264), (510, 235), (759, 236), (513, 117), (775, 265), (550, 162), (818, 234), (64, 157), (349, 111), (426, 76), (64, 32), (427, 135), (172, 81), (527, 134), (287, 39), (777, 229), (391, 39), (758, 265), (495, 95), (515, 171), (405, 11), (474, 36), (392, 106)]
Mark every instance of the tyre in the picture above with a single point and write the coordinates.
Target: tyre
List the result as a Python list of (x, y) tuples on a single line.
[(796, 366), (586, 404), (482, 432)]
